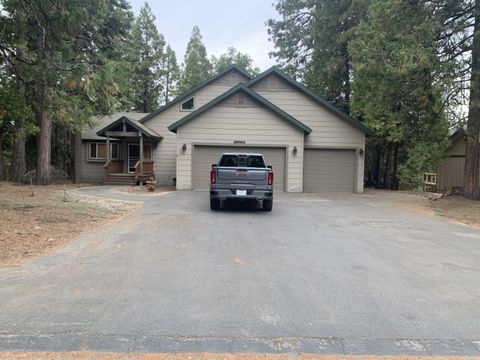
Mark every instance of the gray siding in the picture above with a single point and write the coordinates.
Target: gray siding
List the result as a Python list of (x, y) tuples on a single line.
[(329, 131), (255, 126), (92, 171), (451, 172)]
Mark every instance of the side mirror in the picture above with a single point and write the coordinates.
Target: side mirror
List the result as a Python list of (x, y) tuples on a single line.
[(270, 167), (214, 166)]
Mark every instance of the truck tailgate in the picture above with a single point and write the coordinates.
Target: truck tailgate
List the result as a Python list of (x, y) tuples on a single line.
[(244, 176)]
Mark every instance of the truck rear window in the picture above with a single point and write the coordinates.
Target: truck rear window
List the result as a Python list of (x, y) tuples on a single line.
[(255, 161)]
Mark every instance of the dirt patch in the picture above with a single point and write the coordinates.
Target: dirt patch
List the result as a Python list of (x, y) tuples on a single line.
[(35, 220), (454, 208), (458, 209), (206, 356)]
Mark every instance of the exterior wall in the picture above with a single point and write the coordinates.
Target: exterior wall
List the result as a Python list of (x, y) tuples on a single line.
[(92, 170), (255, 125), (451, 172), (164, 155), (329, 131), (458, 147)]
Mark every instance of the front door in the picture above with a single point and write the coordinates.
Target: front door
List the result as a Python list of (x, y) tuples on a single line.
[(133, 156)]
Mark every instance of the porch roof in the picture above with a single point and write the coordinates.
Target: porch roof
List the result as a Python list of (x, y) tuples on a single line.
[(117, 129)]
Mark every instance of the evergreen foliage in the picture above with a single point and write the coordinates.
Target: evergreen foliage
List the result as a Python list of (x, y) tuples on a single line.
[(196, 67)]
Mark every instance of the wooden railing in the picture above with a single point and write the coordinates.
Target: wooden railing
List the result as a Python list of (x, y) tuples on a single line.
[(113, 166), (429, 181), (147, 170)]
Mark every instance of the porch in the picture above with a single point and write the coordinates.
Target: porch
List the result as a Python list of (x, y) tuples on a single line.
[(129, 152), (115, 174)]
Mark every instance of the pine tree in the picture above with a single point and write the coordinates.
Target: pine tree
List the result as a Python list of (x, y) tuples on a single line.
[(196, 66), (233, 56), (395, 89), (311, 43), (68, 62), (171, 74), (472, 158), (147, 57)]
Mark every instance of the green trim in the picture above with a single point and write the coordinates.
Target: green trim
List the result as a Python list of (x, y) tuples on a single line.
[(241, 87), (316, 98), (126, 120), (194, 89)]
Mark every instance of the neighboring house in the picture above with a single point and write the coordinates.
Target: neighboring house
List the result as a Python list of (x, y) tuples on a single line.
[(311, 145), (451, 172)]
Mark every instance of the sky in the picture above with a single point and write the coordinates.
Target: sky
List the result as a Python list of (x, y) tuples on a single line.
[(222, 24)]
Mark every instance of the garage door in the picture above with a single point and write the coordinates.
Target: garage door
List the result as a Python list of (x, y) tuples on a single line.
[(205, 156), (328, 170)]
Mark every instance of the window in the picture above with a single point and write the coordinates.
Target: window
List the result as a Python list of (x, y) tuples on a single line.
[(241, 100), (98, 151), (255, 161), (187, 105)]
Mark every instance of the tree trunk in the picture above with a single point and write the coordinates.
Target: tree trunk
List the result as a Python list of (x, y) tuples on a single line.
[(472, 173), (376, 171), (18, 167), (394, 179), (77, 157), (2, 161), (387, 173), (44, 140)]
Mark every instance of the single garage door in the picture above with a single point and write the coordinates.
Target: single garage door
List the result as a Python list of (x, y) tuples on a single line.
[(328, 170), (204, 156)]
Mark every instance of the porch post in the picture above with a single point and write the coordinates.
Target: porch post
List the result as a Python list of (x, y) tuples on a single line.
[(108, 148), (141, 153)]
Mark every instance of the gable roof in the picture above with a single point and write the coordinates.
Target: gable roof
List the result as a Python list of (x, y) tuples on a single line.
[(190, 92), (241, 87), (314, 97), (99, 123), (149, 133)]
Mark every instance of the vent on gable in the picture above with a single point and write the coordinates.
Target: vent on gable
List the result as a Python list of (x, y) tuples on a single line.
[(188, 105), (241, 100), (272, 83), (233, 78)]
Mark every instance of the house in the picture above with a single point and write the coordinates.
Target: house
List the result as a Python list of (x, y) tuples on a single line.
[(311, 145), (451, 172)]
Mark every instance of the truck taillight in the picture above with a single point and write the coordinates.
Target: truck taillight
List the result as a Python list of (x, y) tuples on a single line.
[(213, 177), (270, 178)]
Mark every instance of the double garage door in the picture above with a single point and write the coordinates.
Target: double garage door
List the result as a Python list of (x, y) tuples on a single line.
[(204, 156), (323, 170), (329, 170)]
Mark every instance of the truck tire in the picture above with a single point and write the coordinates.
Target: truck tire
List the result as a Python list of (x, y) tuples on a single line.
[(214, 204), (267, 205)]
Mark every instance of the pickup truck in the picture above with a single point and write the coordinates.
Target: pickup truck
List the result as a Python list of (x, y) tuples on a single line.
[(241, 176)]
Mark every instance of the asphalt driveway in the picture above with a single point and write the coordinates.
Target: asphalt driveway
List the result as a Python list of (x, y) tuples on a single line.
[(335, 274)]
